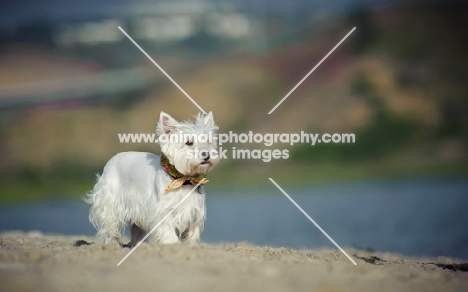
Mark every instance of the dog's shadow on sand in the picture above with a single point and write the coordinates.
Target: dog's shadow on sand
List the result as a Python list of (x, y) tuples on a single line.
[(463, 267), (82, 242)]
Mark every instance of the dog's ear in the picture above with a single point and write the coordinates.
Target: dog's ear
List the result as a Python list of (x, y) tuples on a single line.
[(209, 121), (167, 124)]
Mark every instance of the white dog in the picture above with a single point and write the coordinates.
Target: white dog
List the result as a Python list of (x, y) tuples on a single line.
[(141, 188)]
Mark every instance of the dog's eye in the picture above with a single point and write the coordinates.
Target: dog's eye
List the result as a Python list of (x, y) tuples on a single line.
[(189, 143)]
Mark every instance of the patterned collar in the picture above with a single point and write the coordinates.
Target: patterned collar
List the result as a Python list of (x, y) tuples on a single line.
[(179, 179)]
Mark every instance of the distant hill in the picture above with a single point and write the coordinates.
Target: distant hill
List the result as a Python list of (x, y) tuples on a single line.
[(398, 83)]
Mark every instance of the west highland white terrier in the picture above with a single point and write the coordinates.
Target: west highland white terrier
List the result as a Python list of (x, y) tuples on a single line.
[(142, 188)]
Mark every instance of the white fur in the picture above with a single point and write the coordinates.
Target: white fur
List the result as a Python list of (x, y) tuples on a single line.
[(131, 188)]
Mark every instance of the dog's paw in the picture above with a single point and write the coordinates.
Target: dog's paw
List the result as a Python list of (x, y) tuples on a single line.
[(129, 245)]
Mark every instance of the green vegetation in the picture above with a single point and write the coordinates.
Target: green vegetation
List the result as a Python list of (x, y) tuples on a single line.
[(75, 181), (63, 179), (385, 135)]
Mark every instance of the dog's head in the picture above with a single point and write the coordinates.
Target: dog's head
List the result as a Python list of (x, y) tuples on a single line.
[(190, 146)]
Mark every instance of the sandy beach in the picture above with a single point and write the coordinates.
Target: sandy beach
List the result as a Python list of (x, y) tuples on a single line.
[(35, 262)]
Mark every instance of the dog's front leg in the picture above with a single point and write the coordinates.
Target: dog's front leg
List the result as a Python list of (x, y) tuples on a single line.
[(166, 234), (193, 237)]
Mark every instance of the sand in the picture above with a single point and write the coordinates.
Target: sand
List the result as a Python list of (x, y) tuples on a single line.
[(36, 262)]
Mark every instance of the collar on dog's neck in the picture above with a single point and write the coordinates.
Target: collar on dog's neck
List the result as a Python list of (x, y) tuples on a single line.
[(179, 178)]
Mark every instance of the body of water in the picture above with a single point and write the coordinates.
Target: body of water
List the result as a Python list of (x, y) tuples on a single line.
[(411, 217)]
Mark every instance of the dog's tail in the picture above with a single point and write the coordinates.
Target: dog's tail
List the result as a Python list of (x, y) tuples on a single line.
[(90, 196)]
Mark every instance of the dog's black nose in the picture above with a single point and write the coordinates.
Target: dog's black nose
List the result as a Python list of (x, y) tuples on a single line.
[(205, 155)]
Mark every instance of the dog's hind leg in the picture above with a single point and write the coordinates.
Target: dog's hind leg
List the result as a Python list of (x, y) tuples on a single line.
[(137, 234), (108, 230)]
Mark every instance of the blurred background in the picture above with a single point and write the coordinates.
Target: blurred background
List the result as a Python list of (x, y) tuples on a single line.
[(70, 81)]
